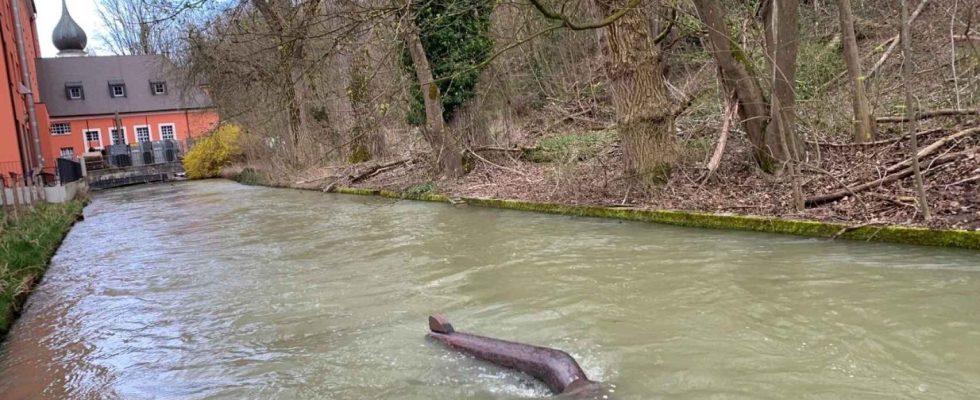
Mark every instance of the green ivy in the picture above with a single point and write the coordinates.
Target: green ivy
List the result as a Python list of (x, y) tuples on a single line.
[(456, 38)]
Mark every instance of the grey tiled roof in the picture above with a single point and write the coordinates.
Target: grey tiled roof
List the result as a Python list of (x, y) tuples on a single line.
[(95, 74)]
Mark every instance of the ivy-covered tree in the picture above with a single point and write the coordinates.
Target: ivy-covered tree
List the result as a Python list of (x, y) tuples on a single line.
[(456, 37)]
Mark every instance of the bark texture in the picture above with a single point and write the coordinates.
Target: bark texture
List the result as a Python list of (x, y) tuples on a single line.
[(864, 122), (447, 152), (644, 109), (737, 75)]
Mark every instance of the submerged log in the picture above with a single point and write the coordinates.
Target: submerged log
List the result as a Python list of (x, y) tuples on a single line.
[(555, 368)]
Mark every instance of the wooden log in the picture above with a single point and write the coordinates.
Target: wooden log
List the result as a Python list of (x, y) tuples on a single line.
[(930, 114), (850, 191)]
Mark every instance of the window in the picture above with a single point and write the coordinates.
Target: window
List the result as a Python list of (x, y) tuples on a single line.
[(92, 138), (117, 89), (74, 91), (167, 132), (62, 128), (142, 134), (158, 88), (118, 135), (68, 152)]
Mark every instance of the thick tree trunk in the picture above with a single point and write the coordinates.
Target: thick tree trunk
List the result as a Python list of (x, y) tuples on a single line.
[(864, 122), (736, 75), (447, 152), (644, 109), (782, 45)]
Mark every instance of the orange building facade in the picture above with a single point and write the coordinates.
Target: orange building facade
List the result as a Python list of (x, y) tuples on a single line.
[(18, 152), (70, 137), (86, 102)]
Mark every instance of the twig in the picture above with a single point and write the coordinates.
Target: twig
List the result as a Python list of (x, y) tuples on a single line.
[(930, 114), (895, 41), (933, 147), (876, 143), (715, 162), (832, 197)]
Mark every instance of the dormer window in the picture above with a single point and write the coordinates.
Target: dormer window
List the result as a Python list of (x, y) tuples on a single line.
[(158, 88), (74, 91), (117, 89)]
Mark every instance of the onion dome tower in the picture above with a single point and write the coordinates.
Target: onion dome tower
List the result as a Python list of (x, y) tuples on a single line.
[(68, 37)]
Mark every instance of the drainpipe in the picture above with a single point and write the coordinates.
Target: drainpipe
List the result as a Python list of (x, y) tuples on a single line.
[(26, 84)]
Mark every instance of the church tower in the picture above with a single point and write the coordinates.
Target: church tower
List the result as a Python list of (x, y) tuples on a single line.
[(68, 37)]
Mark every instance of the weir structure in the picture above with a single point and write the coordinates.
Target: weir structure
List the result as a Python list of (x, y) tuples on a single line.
[(555, 368)]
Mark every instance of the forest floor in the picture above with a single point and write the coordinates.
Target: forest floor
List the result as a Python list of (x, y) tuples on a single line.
[(583, 170), (567, 151)]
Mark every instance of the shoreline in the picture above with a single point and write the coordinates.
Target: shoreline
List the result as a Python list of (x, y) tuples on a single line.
[(888, 233), (29, 243)]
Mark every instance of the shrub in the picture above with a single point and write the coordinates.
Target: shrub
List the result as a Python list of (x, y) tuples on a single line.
[(213, 152)]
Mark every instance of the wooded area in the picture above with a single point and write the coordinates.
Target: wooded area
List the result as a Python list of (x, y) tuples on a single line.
[(715, 105)]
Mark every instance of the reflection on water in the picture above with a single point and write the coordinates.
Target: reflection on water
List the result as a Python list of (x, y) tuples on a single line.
[(216, 290)]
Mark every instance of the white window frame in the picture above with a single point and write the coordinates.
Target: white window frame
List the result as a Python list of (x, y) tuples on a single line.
[(125, 138), (85, 141), (53, 133), (162, 85), (61, 151), (149, 133), (81, 93), (114, 86), (172, 126)]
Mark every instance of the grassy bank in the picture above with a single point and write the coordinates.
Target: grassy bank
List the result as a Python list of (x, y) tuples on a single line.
[(26, 245)]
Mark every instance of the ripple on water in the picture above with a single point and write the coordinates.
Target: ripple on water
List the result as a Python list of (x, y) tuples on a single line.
[(221, 291)]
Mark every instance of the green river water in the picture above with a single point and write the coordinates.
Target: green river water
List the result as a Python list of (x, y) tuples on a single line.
[(214, 290)]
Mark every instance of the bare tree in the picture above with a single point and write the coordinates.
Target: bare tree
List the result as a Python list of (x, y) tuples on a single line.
[(447, 151), (769, 125), (864, 122), (145, 26), (910, 110), (645, 112)]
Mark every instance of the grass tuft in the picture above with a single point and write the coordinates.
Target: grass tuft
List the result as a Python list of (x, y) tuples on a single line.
[(26, 246)]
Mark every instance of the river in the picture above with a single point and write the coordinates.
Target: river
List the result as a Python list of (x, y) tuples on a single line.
[(215, 290)]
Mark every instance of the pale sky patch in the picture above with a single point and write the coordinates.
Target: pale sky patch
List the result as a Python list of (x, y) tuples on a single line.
[(85, 14)]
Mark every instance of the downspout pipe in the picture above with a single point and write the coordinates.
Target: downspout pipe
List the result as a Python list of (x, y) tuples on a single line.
[(26, 87)]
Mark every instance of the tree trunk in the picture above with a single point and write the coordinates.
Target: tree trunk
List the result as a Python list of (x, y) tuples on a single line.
[(644, 110), (737, 75), (864, 122), (910, 110), (782, 45), (448, 156)]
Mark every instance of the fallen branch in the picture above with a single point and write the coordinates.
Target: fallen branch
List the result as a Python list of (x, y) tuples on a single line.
[(875, 143), (933, 147), (715, 161), (373, 170), (832, 197), (895, 41), (930, 114), (496, 165)]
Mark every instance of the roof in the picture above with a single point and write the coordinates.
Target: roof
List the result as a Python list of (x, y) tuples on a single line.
[(95, 75)]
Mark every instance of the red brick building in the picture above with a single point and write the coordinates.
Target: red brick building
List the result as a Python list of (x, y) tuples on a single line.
[(83, 102), (18, 149)]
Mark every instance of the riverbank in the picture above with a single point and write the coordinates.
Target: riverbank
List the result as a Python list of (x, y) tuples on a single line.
[(27, 244), (878, 232)]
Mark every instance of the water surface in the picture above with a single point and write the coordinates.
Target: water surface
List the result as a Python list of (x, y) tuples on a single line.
[(213, 290)]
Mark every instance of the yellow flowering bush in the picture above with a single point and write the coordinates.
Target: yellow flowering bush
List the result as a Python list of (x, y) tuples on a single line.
[(213, 152)]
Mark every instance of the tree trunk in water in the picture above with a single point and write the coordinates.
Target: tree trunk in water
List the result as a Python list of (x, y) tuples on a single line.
[(864, 123), (736, 75), (910, 110), (448, 156), (644, 110)]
